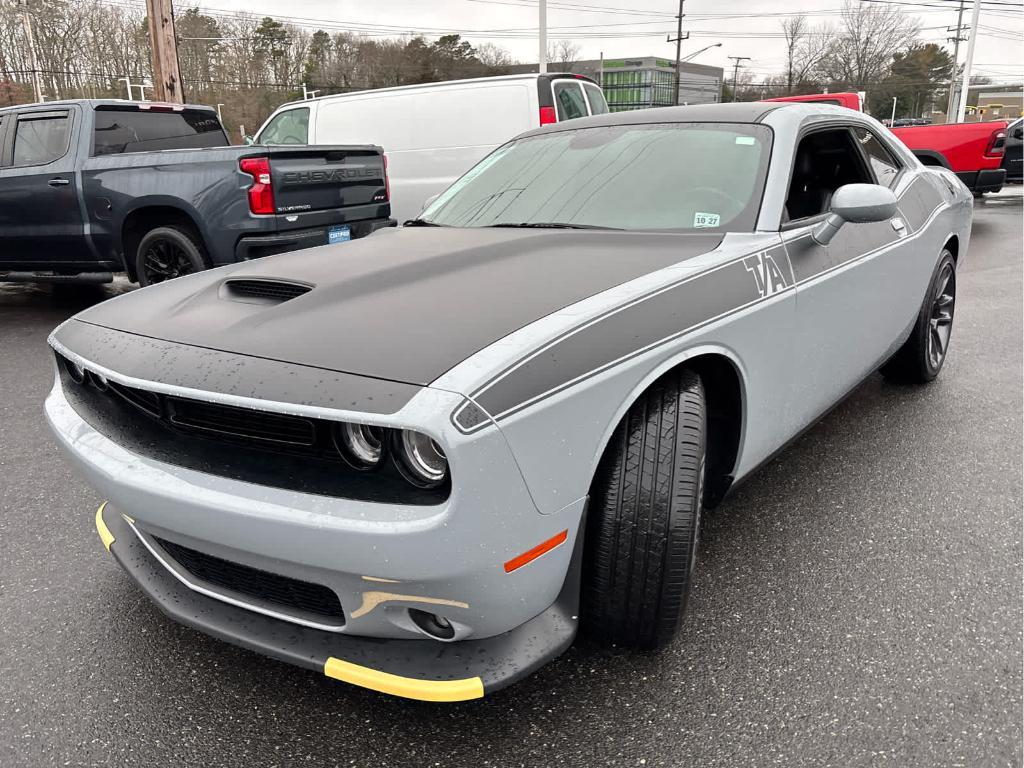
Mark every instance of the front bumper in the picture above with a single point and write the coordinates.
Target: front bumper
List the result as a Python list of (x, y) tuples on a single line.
[(416, 669)]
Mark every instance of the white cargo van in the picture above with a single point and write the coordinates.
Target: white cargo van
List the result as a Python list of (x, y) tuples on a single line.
[(434, 132)]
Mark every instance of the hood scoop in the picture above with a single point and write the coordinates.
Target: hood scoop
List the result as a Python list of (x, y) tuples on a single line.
[(262, 290)]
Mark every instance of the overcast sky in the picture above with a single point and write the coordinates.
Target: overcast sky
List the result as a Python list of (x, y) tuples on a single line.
[(621, 28)]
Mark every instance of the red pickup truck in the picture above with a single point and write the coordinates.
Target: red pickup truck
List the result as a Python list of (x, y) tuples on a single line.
[(973, 151)]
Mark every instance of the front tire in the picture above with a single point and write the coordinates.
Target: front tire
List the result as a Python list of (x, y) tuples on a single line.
[(922, 356), (643, 519), (168, 252)]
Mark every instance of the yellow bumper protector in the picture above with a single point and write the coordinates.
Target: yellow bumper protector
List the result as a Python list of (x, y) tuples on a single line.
[(406, 687), (105, 535)]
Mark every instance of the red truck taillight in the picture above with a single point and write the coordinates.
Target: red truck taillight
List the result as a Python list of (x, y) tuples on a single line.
[(996, 144), (548, 116), (261, 193)]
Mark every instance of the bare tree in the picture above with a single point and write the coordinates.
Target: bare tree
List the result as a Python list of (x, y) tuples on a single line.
[(564, 53), (861, 50), (806, 46)]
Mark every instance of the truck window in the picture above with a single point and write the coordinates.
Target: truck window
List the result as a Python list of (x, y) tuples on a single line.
[(569, 101), (288, 127), (41, 140), (121, 131), (885, 166), (598, 105)]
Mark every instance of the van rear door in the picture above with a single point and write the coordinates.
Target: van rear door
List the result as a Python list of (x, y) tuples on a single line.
[(571, 97)]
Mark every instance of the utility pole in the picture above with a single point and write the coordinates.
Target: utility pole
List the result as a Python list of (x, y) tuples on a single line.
[(543, 35), (951, 103), (166, 76), (736, 72), (678, 40), (37, 85), (971, 40)]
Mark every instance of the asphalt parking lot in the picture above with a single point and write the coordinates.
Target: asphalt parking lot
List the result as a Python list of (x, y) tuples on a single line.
[(858, 602)]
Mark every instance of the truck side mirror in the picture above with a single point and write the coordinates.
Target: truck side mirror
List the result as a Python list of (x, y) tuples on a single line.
[(856, 204)]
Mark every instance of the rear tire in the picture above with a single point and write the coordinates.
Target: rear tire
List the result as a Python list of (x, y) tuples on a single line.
[(168, 252), (643, 519), (922, 356)]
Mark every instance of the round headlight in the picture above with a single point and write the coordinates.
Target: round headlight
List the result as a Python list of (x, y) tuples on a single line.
[(421, 459), (362, 446), (75, 371)]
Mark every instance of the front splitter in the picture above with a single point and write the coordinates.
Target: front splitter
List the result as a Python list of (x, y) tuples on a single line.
[(426, 670)]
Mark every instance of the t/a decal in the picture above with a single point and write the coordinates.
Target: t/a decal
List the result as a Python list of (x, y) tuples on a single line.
[(766, 272)]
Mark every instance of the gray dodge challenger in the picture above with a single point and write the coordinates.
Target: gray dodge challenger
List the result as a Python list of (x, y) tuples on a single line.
[(420, 462)]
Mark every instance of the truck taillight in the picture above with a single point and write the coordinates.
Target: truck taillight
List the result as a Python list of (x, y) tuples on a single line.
[(387, 181), (997, 143), (261, 193), (548, 116)]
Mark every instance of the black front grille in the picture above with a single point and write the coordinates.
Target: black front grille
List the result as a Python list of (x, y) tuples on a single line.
[(244, 423), (292, 594), (265, 290), (268, 448)]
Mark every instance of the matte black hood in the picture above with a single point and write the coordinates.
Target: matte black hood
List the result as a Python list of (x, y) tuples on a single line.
[(405, 305)]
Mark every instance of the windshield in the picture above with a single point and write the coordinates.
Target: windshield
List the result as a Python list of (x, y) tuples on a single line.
[(666, 176)]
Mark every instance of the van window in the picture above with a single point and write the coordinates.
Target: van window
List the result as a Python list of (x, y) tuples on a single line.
[(41, 140), (595, 97), (288, 127), (569, 101), (120, 131)]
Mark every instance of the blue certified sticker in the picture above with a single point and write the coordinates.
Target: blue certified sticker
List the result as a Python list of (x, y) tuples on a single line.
[(338, 235)]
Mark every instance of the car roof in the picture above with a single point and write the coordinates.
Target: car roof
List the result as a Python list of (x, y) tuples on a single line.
[(94, 103)]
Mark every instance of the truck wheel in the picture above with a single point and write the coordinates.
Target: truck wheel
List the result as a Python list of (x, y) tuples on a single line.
[(644, 517), (168, 252), (920, 359)]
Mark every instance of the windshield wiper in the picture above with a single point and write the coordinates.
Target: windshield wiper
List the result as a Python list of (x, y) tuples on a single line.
[(549, 225), (421, 223)]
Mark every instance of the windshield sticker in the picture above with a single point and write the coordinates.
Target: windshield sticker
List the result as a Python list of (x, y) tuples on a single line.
[(748, 141), (701, 219)]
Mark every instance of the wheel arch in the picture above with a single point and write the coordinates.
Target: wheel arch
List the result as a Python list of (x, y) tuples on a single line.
[(953, 246), (930, 157), (725, 391), (147, 216)]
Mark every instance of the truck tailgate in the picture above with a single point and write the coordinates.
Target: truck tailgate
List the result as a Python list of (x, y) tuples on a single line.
[(322, 178)]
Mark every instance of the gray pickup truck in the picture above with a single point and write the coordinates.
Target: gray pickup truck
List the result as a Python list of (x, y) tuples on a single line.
[(93, 187)]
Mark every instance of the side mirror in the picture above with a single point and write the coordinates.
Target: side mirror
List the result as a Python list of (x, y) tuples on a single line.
[(1018, 132), (248, 140), (856, 204)]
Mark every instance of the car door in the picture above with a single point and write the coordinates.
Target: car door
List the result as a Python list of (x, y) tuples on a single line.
[(41, 224), (852, 293)]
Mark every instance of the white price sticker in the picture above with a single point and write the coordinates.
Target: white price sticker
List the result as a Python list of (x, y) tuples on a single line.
[(701, 219)]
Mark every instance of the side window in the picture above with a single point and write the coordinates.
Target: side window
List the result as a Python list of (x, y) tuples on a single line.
[(569, 101), (288, 127), (41, 140), (885, 166), (824, 162), (598, 105)]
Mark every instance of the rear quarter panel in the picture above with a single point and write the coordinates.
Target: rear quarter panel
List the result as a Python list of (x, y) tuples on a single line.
[(963, 145)]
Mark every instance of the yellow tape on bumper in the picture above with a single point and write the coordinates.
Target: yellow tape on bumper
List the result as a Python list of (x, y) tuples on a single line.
[(105, 535), (407, 687)]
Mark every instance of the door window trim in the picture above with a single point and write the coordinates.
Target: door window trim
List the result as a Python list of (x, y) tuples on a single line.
[(39, 114), (901, 167)]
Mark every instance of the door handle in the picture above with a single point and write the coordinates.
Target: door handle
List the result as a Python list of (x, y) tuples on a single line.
[(58, 182)]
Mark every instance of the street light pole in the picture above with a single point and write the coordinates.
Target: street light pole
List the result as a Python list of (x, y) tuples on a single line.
[(736, 72), (971, 40), (543, 36)]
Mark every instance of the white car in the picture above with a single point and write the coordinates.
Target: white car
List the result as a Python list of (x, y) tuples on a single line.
[(435, 132)]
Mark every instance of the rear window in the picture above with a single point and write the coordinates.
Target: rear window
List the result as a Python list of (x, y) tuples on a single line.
[(121, 131), (662, 176), (288, 127), (569, 101), (598, 105)]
